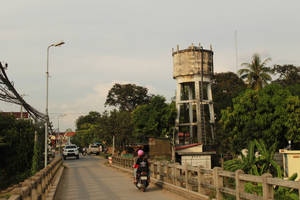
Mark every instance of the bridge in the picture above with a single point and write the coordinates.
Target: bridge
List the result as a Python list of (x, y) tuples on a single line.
[(91, 177)]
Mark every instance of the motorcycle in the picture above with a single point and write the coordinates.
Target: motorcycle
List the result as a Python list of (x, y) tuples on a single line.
[(142, 181), (84, 153)]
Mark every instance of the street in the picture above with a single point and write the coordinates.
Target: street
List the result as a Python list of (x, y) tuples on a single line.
[(89, 178)]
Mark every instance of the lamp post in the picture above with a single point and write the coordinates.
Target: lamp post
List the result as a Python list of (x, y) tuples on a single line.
[(47, 116)]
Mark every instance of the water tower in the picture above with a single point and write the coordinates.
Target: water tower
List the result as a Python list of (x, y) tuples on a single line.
[(193, 71)]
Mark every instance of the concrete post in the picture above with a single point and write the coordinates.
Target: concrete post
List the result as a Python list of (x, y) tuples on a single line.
[(239, 185), (267, 189), (186, 177), (174, 173), (26, 193), (218, 182), (160, 171), (37, 191), (200, 178)]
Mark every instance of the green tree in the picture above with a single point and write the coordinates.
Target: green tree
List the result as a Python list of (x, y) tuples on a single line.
[(38, 149), (256, 73), (108, 124), (226, 86), (83, 122), (154, 119), (16, 150), (247, 163), (288, 74), (283, 193), (271, 114), (127, 96), (122, 128), (258, 164)]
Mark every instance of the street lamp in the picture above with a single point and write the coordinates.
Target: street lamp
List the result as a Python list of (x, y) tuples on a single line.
[(47, 116)]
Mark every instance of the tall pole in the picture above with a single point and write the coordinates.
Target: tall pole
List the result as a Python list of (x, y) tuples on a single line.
[(23, 95), (21, 111), (47, 116), (173, 146), (59, 138), (113, 150)]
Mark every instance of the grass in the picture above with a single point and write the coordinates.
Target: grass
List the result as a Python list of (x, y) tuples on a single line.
[(5, 196)]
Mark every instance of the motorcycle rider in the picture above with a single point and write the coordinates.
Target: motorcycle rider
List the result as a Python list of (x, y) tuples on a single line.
[(141, 165), (84, 151)]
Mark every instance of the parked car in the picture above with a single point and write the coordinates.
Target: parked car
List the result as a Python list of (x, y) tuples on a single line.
[(93, 148), (71, 151)]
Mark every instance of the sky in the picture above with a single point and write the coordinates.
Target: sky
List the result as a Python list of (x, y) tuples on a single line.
[(131, 41)]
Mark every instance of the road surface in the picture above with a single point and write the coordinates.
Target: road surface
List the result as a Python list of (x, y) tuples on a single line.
[(88, 179)]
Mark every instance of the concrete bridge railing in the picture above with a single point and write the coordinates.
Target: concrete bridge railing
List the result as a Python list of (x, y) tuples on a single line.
[(210, 183), (36, 187)]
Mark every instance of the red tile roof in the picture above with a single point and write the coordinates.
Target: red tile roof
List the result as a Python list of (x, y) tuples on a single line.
[(187, 146), (70, 134)]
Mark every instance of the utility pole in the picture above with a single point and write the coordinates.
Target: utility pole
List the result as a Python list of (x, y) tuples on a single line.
[(173, 146), (58, 133), (47, 115), (23, 95), (113, 148)]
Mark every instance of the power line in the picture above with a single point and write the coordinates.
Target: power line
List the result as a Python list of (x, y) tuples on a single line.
[(67, 113)]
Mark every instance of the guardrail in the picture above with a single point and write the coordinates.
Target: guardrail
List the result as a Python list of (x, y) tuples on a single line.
[(36, 187), (211, 182)]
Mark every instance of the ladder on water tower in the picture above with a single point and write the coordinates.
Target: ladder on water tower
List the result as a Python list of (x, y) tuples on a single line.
[(202, 115)]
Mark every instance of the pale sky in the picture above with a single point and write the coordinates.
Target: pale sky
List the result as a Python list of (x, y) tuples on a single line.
[(130, 41)]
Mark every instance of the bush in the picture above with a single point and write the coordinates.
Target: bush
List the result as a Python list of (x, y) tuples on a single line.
[(16, 150)]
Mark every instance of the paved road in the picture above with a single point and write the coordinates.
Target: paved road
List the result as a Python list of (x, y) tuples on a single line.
[(88, 179)]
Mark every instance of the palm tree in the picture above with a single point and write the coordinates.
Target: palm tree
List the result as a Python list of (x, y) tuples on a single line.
[(266, 161), (256, 73), (256, 164), (247, 162)]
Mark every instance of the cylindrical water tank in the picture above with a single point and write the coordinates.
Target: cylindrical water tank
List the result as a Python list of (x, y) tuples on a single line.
[(189, 62)]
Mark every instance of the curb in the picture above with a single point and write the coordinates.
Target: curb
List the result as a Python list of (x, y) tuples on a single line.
[(53, 187)]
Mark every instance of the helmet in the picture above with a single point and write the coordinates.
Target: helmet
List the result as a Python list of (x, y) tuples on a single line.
[(140, 152)]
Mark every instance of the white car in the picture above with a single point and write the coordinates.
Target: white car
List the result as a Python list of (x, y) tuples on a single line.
[(71, 151), (93, 148)]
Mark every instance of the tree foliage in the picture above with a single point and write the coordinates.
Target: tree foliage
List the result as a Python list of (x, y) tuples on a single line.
[(138, 117), (103, 127), (256, 164), (127, 96), (226, 86), (16, 149), (156, 119), (271, 114), (259, 160), (83, 122), (256, 73), (288, 74)]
